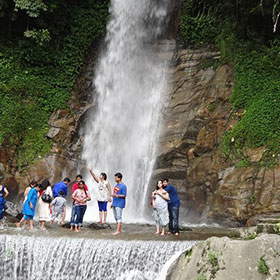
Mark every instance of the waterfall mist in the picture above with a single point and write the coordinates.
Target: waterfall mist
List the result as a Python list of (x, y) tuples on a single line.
[(130, 82)]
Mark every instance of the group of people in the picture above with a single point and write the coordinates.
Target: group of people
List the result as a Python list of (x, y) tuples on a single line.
[(50, 203)]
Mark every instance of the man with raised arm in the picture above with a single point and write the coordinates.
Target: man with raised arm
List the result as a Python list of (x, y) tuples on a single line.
[(119, 199), (103, 194)]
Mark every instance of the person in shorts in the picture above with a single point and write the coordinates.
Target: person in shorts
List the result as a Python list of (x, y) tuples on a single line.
[(58, 206), (103, 194), (119, 199)]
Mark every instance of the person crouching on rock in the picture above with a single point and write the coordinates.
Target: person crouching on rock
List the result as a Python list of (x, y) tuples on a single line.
[(58, 206), (160, 200), (80, 197), (3, 194), (103, 194), (30, 206)]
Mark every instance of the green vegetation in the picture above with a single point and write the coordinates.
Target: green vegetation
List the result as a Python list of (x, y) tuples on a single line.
[(243, 32), (189, 255), (202, 277), (213, 258), (262, 267), (41, 56), (277, 228), (251, 236)]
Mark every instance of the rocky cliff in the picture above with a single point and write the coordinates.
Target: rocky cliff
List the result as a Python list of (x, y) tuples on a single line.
[(222, 258), (197, 114)]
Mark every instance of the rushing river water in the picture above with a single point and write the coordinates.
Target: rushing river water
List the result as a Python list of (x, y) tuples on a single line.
[(130, 82), (38, 258)]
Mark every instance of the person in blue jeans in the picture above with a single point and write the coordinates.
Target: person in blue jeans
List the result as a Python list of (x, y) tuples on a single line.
[(119, 199), (173, 207), (80, 197)]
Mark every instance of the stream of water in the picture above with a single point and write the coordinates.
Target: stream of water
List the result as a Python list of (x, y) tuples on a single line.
[(39, 258), (130, 82)]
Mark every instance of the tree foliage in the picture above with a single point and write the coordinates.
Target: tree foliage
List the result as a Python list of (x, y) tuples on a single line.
[(244, 33), (37, 78)]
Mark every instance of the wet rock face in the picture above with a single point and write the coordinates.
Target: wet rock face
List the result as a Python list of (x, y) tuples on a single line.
[(196, 115)]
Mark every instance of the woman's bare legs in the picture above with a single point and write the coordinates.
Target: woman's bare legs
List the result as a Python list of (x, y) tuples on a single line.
[(163, 231)]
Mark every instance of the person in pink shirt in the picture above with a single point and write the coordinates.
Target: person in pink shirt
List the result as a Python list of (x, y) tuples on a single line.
[(81, 197), (73, 213)]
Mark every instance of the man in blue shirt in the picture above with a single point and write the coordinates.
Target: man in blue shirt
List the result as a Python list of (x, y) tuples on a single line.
[(173, 207), (61, 186), (119, 197)]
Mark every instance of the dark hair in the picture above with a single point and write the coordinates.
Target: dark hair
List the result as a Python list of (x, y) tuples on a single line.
[(79, 176), (61, 192), (119, 175), (165, 179), (104, 175), (33, 183), (157, 188), (82, 181), (45, 183), (66, 179)]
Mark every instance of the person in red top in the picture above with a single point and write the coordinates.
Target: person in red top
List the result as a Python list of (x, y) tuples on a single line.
[(73, 213)]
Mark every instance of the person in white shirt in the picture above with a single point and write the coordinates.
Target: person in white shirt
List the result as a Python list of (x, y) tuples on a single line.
[(103, 194)]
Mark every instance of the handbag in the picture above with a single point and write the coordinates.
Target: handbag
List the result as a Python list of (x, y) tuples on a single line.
[(46, 197)]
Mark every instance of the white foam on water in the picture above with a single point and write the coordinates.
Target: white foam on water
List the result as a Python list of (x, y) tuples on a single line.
[(42, 258)]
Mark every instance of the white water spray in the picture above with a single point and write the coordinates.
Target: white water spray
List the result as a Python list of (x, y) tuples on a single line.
[(46, 258), (130, 82)]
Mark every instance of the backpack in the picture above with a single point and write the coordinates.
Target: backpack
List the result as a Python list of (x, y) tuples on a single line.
[(46, 197)]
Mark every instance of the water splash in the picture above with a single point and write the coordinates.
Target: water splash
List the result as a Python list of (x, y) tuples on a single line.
[(130, 81), (34, 258)]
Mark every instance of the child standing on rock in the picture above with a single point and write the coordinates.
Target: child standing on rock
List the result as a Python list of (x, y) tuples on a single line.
[(58, 206)]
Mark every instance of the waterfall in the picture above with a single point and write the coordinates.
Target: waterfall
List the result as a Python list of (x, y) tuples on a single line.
[(33, 258), (130, 82)]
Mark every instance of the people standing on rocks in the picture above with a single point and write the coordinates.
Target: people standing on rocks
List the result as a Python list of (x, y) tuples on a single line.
[(119, 200), (3, 195), (173, 207), (160, 199), (73, 212), (58, 206), (61, 186), (80, 197), (103, 194), (30, 206), (45, 198)]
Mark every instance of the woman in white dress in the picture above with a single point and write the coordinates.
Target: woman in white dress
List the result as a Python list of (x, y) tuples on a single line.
[(103, 194), (44, 207)]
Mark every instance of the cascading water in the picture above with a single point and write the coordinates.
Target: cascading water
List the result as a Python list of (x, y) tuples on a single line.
[(130, 82), (42, 258)]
